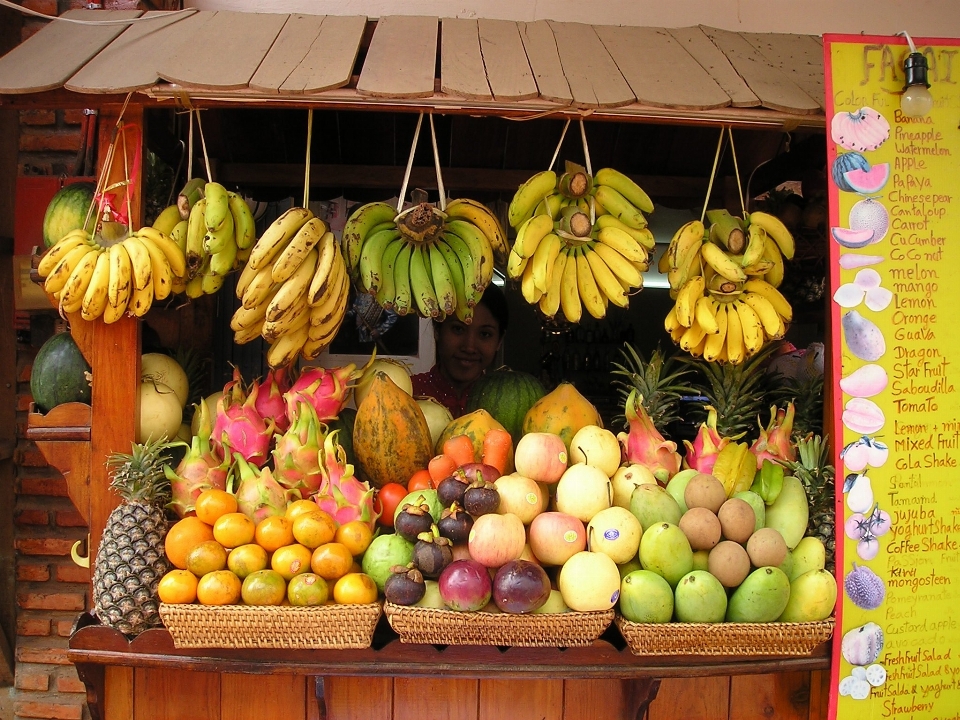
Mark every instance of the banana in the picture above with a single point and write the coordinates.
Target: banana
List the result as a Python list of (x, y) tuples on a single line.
[(716, 341), (223, 262), (160, 268), (215, 241), (617, 205), (276, 236), (686, 241), (463, 311), (735, 349), (57, 252), (625, 186), (247, 334), (515, 265), (705, 314), (590, 295), (358, 226), (388, 283), (333, 304), (473, 285), (71, 296), (296, 317), (569, 294), (196, 231), (551, 205), (293, 290), (190, 195), (529, 195), (421, 284), (606, 280), (314, 346), (479, 247), (775, 228), (753, 252), (244, 318), (772, 323), (371, 259), (481, 216), (443, 284), (773, 296), (58, 277), (692, 337), (714, 256), (528, 288), (171, 250), (543, 260), (687, 299), (119, 285), (329, 266), (140, 262), (95, 297), (258, 288), (168, 219), (307, 237), (772, 254), (726, 231), (663, 263), (403, 299), (672, 324), (244, 224), (623, 268), (753, 337), (210, 283), (217, 206), (530, 235), (550, 301), (179, 236), (286, 348), (623, 242), (141, 300), (644, 237)]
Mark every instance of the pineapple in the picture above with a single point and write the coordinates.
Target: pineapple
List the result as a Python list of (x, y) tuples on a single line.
[(660, 383), (816, 473), (131, 560)]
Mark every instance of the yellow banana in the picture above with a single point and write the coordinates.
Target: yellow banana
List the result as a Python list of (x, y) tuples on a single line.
[(775, 228), (772, 254), (215, 241), (590, 295), (753, 253), (140, 262), (716, 341), (529, 195), (307, 237), (171, 250), (247, 334), (478, 245), (58, 277), (295, 318), (753, 337), (531, 233), (320, 335), (687, 299), (168, 219), (179, 236), (403, 299), (443, 284), (618, 206), (294, 289), (625, 186), (515, 265), (551, 205), (714, 256), (421, 284), (244, 224), (359, 225), (258, 288), (691, 338), (71, 295), (95, 297), (550, 301), (141, 300), (324, 314), (196, 231), (623, 268), (57, 252), (244, 318), (285, 349), (542, 262), (603, 275), (481, 216), (217, 206), (705, 314), (623, 242), (528, 288), (570, 301), (223, 262), (371, 259), (735, 348), (330, 265), (672, 325), (160, 269), (210, 283), (773, 296), (276, 236), (120, 284), (770, 319)]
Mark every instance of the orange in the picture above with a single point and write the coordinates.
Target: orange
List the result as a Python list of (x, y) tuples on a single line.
[(331, 560), (315, 528), (355, 589), (234, 529), (274, 532), (177, 587), (299, 507), (356, 567), (220, 587), (206, 557), (264, 587), (246, 559), (212, 503), (356, 535), (185, 535), (308, 589), (291, 560)]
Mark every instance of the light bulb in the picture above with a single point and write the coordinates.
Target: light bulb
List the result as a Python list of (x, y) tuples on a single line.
[(916, 101)]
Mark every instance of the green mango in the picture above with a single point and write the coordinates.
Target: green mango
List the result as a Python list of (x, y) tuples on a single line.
[(790, 512), (809, 554), (762, 597), (700, 598), (813, 596)]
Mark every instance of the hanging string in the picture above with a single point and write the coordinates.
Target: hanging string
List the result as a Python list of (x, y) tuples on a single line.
[(100, 188), (190, 145), (306, 173), (736, 171), (586, 157), (406, 174), (559, 144), (203, 144), (436, 165), (713, 175)]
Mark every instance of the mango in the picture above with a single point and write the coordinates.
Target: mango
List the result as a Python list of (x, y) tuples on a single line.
[(678, 484), (651, 504), (700, 598), (790, 512), (762, 597), (665, 550), (759, 508), (813, 596), (809, 554)]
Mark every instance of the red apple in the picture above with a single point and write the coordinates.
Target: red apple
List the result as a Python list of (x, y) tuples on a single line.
[(541, 456), (555, 537), (497, 539)]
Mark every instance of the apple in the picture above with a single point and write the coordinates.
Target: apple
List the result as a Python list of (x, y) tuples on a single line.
[(583, 491), (615, 532), (555, 537), (521, 496), (593, 445), (589, 582), (527, 554), (540, 456), (496, 539), (626, 479)]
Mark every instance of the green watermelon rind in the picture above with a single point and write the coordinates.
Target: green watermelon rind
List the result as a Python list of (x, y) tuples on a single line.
[(67, 211), (868, 182), (507, 395), (57, 376)]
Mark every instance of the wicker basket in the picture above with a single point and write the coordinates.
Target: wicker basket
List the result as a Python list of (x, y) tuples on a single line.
[(326, 627), (724, 638), (430, 626)]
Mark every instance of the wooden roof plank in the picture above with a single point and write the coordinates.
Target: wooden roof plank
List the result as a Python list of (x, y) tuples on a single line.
[(800, 57), (708, 55), (544, 57), (228, 54), (594, 78), (770, 84), (329, 60), (293, 43), (47, 59), (402, 58), (660, 72), (461, 62), (130, 62), (508, 69)]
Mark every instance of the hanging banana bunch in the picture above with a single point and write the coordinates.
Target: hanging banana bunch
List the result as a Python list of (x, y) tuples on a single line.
[(724, 278)]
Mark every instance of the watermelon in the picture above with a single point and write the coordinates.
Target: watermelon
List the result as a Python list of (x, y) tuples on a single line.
[(868, 182), (507, 395), (344, 423), (67, 211), (58, 374), (852, 238), (844, 163)]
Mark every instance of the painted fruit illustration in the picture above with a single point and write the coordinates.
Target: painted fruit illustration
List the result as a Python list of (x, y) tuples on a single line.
[(863, 130), (864, 338), (868, 182), (853, 239), (844, 163), (869, 214)]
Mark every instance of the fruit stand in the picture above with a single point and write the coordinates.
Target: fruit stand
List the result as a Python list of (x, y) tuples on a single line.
[(600, 677)]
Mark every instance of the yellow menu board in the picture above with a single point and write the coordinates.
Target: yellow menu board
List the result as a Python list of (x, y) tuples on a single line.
[(895, 316)]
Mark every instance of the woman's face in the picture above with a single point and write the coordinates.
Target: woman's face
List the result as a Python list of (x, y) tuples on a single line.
[(465, 351)]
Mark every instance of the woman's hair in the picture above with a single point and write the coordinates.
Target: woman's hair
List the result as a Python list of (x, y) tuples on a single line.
[(496, 302)]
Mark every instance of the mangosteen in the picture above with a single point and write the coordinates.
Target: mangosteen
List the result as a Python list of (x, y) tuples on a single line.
[(451, 489), (405, 586), (481, 498), (455, 523), (413, 520), (432, 553)]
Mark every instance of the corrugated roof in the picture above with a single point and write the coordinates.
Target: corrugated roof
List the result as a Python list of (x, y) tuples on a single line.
[(447, 63)]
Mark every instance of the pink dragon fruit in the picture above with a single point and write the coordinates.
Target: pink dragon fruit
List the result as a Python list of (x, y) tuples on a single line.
[(239, 428), (702, 452), (296, 456), (259, 495), (645, 445), (200, 469), (342, 495), (774, 442), (326, 389), (270, 403)]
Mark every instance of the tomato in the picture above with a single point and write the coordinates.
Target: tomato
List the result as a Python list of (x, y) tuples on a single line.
[(421, 480), (388, 497)]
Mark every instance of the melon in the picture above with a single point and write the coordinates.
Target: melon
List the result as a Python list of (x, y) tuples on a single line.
[(58, 374), (868, 182), (844, 163), (67, 211), (852, 238), (507, 395), (474, 425), (868, 214)]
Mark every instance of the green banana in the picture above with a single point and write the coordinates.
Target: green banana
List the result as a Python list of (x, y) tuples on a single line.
[(443, 284), (244, 225), (403, 299), (422, 284), (217, 207), (215, 241), (387, 290), (359, 225), (371, 259)]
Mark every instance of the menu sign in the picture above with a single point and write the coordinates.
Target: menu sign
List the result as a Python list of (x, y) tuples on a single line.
[(895, 284)]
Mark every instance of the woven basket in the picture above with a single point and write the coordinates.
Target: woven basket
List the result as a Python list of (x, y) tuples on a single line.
[(724, 638), (430, 626), (326, 627)]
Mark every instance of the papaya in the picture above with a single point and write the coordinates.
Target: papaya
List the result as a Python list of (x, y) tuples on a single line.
[(562, 411), (391, 438)]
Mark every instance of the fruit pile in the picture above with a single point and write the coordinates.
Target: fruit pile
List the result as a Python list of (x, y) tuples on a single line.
[(431, 262), (724, 279), (582, 242), (293, 289)]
